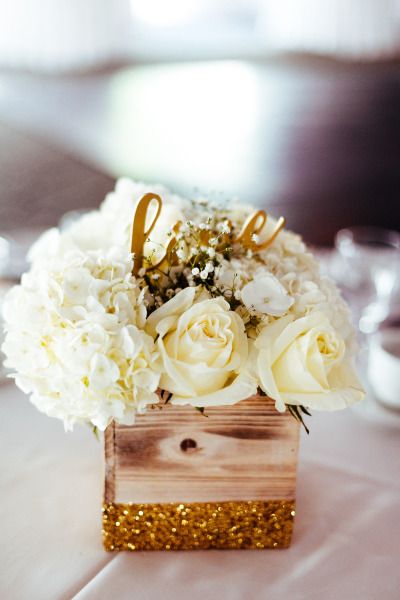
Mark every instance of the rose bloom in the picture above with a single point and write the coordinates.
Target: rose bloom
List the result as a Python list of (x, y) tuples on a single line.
[(303, 362), (204, 350)]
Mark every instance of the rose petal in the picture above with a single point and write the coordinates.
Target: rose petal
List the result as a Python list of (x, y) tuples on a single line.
[(241, 388), (178, 304)]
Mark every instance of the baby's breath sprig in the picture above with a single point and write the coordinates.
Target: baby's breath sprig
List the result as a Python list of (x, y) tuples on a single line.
[(194, 259)]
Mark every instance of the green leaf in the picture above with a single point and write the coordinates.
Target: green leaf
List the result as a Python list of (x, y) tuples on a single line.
[(166, 396), (201, 410), (304, 410), (295, 411)]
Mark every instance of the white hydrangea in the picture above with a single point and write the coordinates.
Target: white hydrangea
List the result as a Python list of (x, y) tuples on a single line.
[(111, 225), (74, 334)]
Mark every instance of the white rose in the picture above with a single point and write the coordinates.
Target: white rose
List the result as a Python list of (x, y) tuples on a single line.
[(204, 349), (303, 362)]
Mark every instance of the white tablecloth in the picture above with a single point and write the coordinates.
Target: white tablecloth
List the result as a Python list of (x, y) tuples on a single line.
[(346, 544)]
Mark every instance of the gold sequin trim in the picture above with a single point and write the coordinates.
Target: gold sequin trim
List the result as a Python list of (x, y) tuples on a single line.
[(201, 525)]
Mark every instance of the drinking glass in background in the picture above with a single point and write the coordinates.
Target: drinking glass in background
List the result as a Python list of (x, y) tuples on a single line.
[(368, 267), (371, 258)]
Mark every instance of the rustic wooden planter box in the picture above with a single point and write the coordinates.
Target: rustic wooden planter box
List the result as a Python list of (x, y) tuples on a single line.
[(178, 480)]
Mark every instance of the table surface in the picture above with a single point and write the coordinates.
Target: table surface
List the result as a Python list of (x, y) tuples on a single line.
[(346, 539)]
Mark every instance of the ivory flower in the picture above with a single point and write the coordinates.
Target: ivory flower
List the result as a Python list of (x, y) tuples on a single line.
[(204, 350), (266, 295), (304, 362), (74, 335), (79, 343)]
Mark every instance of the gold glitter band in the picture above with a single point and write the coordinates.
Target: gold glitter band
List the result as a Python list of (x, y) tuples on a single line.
[(198, 525)]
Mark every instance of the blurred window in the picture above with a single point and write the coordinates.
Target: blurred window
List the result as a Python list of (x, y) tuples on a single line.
[(194, 28), (202, 28), (61, 35)]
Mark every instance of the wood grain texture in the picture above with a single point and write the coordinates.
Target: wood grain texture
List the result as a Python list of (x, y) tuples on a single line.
[(109, 453), (243, 452)]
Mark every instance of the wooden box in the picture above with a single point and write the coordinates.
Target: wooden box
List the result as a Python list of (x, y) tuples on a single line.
[(180, 480)]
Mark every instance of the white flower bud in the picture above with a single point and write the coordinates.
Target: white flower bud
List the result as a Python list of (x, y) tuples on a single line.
[(210, 267)]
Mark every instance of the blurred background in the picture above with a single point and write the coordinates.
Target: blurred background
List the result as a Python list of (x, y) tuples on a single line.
[(293, 105), (290, 104)]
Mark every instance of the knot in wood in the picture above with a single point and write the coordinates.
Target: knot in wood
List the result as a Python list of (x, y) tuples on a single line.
[(188, 445)]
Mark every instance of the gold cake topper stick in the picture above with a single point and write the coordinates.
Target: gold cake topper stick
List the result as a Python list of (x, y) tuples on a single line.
[(139, 232), (252, 226)]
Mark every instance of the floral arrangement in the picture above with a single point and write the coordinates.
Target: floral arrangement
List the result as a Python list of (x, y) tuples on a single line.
[(196, 304)]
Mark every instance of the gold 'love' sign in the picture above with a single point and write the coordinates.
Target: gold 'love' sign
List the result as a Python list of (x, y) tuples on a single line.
[(252, 227)]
